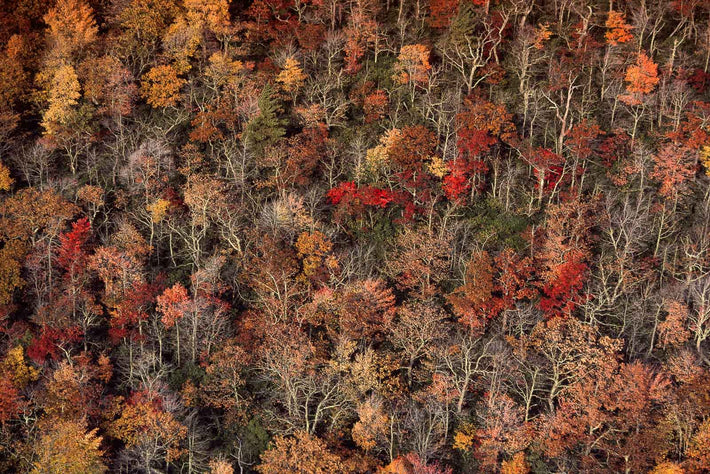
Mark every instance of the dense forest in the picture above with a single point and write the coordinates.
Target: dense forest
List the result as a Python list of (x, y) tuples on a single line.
[(362, 236)]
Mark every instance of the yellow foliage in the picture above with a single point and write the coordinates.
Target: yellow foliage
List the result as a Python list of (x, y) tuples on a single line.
[(67, 448), (292, 76), (6, 180), (223, 70), (210, 14), (300, 454), (376, 160), (144, 422), (181, 43), (516, 465), (667, 467), (71, 28), (373, 423), (413, 64), (11, 256), (437, 167), (15, 367), (63, 96), (464, 436), (158, 209), (542, 34), (161, 86), (314, 248), (220, 467), (705, 158)]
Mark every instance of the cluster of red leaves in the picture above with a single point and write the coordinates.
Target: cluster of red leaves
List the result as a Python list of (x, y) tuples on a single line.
[(354, 201), (133, 309), (46, 345)]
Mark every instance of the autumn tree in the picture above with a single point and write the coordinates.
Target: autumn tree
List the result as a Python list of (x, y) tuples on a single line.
[(150, 432), (302, 453), (161, 86), (72, 28), (67, 446), (618, 31)]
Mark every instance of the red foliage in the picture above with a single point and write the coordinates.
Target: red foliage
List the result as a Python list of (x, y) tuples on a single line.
[(564, 256), (172, 304), (457, 183), (71, 255), (560, 294), (303, 153), (547, 167), (581, 138), (375, 106), (132, 310), (441, 12), (699, 80), (481, 125), (10, 401), (48, 342)]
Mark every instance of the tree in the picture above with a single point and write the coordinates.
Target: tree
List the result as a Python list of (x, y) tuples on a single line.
[(300, 454), (224, 386), (515, 465), (212, 15), (491, 286), (420, 262), (265, 128), (72, 29), (618, 31), (412, 147), (360, 310), (674, 166), (441, 12), (673, 329), (641, 79), (28, 218), (110, 85), (698, 452), (198, 319), (161, 86), (63, 98), (564, 257), (472, 41), (317, 260), (151, 434), (67, 447), (372, 426), (14, 79), (291, 76), (143, 24), (413, 65), (415, 330)]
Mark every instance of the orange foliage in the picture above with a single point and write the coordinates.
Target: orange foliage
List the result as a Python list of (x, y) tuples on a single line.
[(144, 421), (641, 79), (618, 31), (71, 27), (66, 447), (515, 465), (413, 65), (673, 330), (161, 86), (300, 454), (292, 76)]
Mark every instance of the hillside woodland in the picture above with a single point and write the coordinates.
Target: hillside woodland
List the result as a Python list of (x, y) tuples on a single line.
[(329, 236)]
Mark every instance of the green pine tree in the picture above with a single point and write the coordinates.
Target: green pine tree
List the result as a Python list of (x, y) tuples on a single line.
[(266, 128)]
